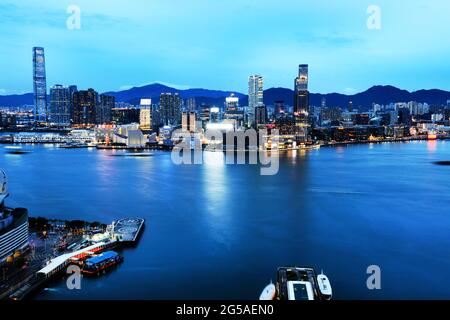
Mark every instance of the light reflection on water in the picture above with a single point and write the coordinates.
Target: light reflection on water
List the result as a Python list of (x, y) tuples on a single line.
[(340, 209)]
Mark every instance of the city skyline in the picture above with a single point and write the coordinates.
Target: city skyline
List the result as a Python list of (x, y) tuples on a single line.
[(194, 56)]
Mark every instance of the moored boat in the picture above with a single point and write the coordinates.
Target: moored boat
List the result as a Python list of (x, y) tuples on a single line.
[(101, 263), (298, 283)]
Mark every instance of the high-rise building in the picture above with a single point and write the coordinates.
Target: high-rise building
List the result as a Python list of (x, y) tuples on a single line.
[(104, 109), (170, 108), (85, 107), (232, 112), (124, 116), (255, 91), (231, 103), (204, 116), (60, 105), (279, 108), (39, 86), (14, 234), (72, 90), (301, 103), (191, 104), (301, 99), (145, 117), (188, 121), (260, 115), (255, 96)]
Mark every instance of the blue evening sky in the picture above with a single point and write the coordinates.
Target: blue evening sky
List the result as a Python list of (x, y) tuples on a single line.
[(217, 44)]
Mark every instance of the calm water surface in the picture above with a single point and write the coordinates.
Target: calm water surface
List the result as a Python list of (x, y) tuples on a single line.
[(220, 231)]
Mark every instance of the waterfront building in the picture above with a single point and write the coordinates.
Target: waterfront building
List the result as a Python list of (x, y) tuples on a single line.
[(170, 108), (104, 109), (59, 105), (72, 90), (255, 96), (145, 116), (85, 108), (188, 121), (123, 116), (39, 86), (14, 234), (301, 103)]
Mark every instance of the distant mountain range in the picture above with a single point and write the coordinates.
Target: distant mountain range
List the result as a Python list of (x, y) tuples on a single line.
[(376, 94)]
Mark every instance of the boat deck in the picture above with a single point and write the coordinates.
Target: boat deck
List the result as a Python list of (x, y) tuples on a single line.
[(128, 230)]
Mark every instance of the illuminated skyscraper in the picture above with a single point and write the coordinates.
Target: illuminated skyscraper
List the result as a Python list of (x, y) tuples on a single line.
[(104, 109), (260, 115), (232, 111), (301, 103), (145, 116), (85, 107), (255, 96), (170, 108), (39, 85), (60, 105)]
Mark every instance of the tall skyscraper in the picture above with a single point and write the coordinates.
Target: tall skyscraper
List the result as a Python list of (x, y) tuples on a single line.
[(60, 105), (255, 96), (301, 103), (85, 107), (170, 108), (145, 117), (39, 86), (104, 109), (72, 90)]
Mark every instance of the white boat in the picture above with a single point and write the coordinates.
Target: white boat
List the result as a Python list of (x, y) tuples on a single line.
[(298, 283), (269, 292), (324, 286)]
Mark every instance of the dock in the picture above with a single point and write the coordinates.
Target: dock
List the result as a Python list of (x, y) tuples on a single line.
[(128, 230)]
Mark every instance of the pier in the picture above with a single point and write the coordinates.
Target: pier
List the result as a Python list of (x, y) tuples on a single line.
[(124, 231)]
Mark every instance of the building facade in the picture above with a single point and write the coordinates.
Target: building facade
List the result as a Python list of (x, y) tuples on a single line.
[(39, 85), (255, 96), (170, 108), (104, 109), (301, 103), (60, 105), (85, 108)]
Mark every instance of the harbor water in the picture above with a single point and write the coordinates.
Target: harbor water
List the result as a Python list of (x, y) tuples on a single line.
[(217, 231)]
